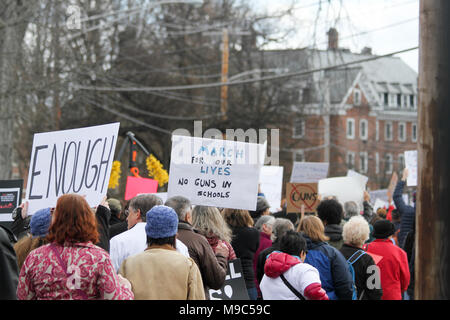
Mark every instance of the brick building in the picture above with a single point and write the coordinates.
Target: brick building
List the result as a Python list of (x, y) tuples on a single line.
[(361, 116)]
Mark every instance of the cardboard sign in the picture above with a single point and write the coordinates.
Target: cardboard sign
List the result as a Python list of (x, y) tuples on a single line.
[(302, 193), (309, 172), (343, 188), (10, 197), (137, 185), (411, 164), (212, 172), (391, 187), (271, 184), (234, 287), (71, 161)]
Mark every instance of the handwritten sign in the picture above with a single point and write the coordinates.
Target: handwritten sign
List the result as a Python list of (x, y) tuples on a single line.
[(343, 188), (71, 161), (10, 197), (411, 164), (212, 172), (309, 172), (234, 286), (298, 194), (137, 185), (271, 184)]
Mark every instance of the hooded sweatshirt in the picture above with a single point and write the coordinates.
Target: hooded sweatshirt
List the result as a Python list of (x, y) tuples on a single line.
[(302, 276)]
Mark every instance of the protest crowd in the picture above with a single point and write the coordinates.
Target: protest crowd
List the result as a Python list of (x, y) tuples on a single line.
[(147, 248)]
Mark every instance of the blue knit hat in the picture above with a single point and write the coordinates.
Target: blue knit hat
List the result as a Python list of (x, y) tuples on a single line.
[(40, 222), (162, 222)]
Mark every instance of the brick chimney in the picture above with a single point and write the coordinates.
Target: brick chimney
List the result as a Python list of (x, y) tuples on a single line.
[(333, 39)]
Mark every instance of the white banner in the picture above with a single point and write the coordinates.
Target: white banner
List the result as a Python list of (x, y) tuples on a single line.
[(309, 172), (71, 161), (271, 184), (214, 172), (411, 164)]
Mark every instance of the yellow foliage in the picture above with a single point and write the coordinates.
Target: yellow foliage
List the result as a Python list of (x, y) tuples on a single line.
[(115, 175), (156, 171)]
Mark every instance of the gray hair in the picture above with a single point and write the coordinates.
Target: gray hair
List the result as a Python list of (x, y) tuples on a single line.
[(356, 231), (180, 204), (144, 202), (350, 209), (267, 219), (280, 227), (209, 222)]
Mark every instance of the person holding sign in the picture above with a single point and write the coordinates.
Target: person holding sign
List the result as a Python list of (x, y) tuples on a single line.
[(407, 213), (71, 267)]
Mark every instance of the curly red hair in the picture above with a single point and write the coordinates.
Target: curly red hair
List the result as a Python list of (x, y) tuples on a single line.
[(73, 221)]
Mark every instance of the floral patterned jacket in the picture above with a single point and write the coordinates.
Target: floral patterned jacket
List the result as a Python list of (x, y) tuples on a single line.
[(89, 275)]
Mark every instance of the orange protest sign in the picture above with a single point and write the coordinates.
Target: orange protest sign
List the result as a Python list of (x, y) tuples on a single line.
[(298, 194)]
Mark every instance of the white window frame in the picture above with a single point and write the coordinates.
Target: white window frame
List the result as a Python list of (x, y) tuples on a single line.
[(352, 135), (386, 138), (357, 93), (350, 164), (377, 163), (400, 138), (295, 134), (389, 167), (363, 162), (300, 153), (366, 123), (413, 139)]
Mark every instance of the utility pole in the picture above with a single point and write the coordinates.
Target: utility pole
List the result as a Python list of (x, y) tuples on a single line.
[(224, 88), (432, 267)]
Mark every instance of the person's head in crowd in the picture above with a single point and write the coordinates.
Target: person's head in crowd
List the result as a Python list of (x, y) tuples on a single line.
[(382, 213), (262, 209), (375, 218), (330, 212), (237, 218), (356, 231), (139, 206), (294, 244), (280, 227), (313, 228), (115, 207), (210, 223), (350, 209), (39, 225), (73, 221), (383, 229), (182, 207), (265, 224), (396, 217), (161, 226)]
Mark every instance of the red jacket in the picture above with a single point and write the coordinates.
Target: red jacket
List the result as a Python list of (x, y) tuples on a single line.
[(394, 270)]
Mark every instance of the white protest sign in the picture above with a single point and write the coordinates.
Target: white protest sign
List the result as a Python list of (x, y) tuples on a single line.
[(343, 188), (361, 178), (212, 172), (309, 172), (380, 204), (271, 184), (411, 165), (71, 161), (381, 194)]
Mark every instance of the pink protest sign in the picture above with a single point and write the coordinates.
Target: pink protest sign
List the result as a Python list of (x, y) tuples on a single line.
[(139, 185)]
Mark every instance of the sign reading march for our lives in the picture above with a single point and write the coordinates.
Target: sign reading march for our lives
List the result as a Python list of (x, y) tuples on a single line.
[(234, 287), (71, 161), (309, 172), (213, 172), (10, 197)]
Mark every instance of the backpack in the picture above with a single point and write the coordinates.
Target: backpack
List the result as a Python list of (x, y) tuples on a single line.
[(358, 254)]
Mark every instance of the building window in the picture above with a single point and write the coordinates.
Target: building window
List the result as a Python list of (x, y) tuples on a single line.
[(299, 156), (350, 128), (392, 100), (414, 132), (357, 97), (411, 101), (389, 163), (388, 131), (363, 162), (386, 99), (363, 129), (298, 128), (401, 162), (399, 100), (377, 163), (402, 131), (350, 160)]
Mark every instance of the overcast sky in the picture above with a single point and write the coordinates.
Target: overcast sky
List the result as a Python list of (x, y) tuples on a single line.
[(389, 25)]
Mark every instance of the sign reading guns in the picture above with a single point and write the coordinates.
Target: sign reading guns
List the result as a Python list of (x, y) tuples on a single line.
[(71, 161), (299, 194)]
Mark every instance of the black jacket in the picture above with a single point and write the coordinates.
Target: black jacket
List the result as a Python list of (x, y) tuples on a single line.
[(103, 215), (362, 274), (117, 228), (407, 213), (9, 271), (245, 243), (262, 257), (334, 232)]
